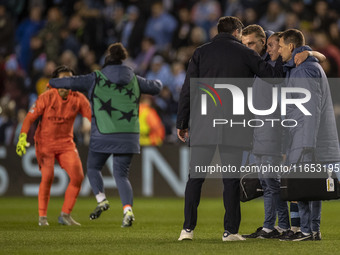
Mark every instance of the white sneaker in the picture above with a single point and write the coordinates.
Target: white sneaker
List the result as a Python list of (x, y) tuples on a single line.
[(232, 237), (186, 234)]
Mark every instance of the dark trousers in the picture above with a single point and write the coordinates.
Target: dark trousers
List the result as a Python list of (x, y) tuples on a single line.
[(231, 193), (121, 168)]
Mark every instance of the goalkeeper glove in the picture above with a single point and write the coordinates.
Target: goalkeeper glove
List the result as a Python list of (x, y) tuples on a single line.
[(22, 144)]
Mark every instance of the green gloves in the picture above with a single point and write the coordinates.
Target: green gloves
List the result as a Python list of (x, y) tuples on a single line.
[(22, 144)]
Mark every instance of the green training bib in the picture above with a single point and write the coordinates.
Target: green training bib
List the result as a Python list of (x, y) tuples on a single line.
[(116, 106)]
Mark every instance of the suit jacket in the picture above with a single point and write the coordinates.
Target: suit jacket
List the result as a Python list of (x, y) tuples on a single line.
[(223, 57)]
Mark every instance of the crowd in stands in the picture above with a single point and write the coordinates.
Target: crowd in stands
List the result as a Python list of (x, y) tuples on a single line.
[(38, 35)]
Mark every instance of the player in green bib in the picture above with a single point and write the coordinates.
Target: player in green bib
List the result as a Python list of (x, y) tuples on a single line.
[(114, 93)]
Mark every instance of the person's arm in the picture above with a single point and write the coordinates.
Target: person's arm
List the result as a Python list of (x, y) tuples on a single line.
[(75, 83), (36, 110), (302, 56), (263, 69), (151, 87), (311, 122)]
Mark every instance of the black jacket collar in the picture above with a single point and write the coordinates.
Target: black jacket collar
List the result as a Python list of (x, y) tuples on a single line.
[(225, 36)]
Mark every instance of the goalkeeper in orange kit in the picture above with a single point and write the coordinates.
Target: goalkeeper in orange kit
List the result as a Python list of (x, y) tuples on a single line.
[(53, 138)]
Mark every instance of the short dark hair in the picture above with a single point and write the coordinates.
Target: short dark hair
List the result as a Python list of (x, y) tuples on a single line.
[(229, 24), (117, 53), (293, 36), (61, 69), (254, 29)]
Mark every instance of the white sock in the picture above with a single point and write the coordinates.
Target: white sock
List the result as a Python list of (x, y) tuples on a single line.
[(100, 197), (267, 230), (127, 208), (306, 234)]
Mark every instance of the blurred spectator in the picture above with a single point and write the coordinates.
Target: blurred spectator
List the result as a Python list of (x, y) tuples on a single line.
[(69, 41), (334, 33), (143, 59), (292, 21), (250, 17), (298, 7), (167, 109), (86, 59), (46, 76), (152, 131), (232, 7), (23, 34), (2, 76), (76, 26), (37, 50), (178, 73), (93, 32), (6, 33), (322, 19), (205, 14), (160, 70), (160, 26), (109, 9), (37, 63), (67, 58), (198, 36), (274, 18), (322, 43), (119, 21), (14, 86), (183, 31), (7, 120), (50, 34), (330, 68), (133, 31), (184, 54), (88, 62)]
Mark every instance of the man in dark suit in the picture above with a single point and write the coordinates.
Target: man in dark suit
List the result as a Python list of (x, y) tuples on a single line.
[(223, 57)]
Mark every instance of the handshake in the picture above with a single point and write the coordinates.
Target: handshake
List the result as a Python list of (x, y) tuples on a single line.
[(22, 144)]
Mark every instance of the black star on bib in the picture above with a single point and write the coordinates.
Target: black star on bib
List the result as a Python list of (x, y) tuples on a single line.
[(127, 115), (107, 83), (136, 101), (119, 87), (106, 106), (129, 93)]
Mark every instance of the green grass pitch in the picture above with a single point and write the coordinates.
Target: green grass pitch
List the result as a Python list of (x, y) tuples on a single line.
[(155, 231)]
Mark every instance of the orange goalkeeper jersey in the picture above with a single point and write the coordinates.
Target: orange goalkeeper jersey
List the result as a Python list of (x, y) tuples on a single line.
[(55, 128)]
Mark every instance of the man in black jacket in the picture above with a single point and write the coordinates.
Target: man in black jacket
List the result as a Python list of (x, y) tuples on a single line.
[(223, 57)]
